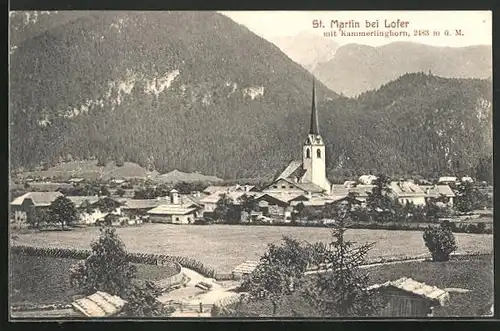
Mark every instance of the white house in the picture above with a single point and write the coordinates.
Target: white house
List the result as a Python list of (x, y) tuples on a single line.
[(176, 211)]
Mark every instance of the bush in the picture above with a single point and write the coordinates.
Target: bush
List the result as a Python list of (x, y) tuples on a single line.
[(440, 241)]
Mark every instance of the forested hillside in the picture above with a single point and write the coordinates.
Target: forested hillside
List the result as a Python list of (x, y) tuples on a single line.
[(192, 91), (196, 92), (417, 124)]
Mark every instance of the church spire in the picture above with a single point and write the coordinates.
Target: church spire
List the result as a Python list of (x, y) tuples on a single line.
[(314, 129)]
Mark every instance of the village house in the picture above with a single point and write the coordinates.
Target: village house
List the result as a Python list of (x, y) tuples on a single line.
[(439, 191), (32, 204), (407, 192), (209, 203), (176, 211), (88, 213)]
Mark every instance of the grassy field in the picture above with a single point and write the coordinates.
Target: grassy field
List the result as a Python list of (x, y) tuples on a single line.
[(45, 280), (473, 273), (225, 246)]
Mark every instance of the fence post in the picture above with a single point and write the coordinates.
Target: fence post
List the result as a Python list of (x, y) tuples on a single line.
[(201, 307)]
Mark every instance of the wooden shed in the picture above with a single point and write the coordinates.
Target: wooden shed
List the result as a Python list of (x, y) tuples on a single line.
[(244, 269), (407, 297)]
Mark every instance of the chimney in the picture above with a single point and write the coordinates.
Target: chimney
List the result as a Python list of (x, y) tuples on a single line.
[(174, 197)]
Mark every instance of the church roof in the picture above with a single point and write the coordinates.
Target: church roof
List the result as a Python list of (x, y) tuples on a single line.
[(314, 129), (292, 167)]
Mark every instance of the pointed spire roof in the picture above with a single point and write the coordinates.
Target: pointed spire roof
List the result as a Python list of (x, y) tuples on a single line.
[(314, 129)]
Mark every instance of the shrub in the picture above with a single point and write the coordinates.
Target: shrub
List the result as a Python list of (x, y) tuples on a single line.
[(440, 241)]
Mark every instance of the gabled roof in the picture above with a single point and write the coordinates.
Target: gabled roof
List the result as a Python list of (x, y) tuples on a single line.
[(171, 209), (306, 187), (99, 304), (246, 267), (40, 199), (142, 203), (406, 189), (437, 190), (412, 286)]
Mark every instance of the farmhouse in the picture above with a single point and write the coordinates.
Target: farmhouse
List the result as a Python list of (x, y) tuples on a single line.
[(309, 174), (175, 211), (439, 191), (210, 202), (32, 204), (407, 192), (88, 213)]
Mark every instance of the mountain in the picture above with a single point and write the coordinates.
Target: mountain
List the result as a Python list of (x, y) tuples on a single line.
[(417, 124), (192, 91), (306, 48), (357, 68), (195, 91)]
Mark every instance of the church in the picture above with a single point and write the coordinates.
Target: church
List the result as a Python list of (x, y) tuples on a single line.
[(306, 176)]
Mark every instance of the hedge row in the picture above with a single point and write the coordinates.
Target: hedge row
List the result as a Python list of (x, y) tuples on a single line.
[(479, 228), (141, 258)]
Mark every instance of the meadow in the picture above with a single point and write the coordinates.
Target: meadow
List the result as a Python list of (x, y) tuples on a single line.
[(223, 247), (46, 280)]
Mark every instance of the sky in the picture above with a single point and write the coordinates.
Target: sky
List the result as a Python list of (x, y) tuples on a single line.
[(476, 26)]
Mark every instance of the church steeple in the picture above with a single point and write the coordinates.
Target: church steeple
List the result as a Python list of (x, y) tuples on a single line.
[(314, 129)]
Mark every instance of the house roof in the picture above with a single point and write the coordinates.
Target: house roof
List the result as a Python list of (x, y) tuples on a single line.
[(99, 304), (213, 198), (40, 199), (404, 189), (437, 190), (447, 179), (171, 209), (246, 267), (431, 293), (141, 203), (79, 200)]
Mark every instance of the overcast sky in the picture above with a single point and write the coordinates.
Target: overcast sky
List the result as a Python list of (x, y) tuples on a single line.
[(476, 26)]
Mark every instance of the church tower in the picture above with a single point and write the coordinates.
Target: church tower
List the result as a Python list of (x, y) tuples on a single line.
[(313, 153)]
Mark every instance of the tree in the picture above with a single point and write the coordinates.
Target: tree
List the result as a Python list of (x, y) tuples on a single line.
[(107, 205), (467, 197), (248, 203), (120, 192), (440, 241), (103, 191), (224, 208), (107, 269), (63, 211), (119, 162), (278, 273), (378, 200), (341, 290)]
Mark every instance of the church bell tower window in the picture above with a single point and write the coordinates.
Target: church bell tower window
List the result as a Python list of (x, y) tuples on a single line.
[(308, 153), (318, 153)]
